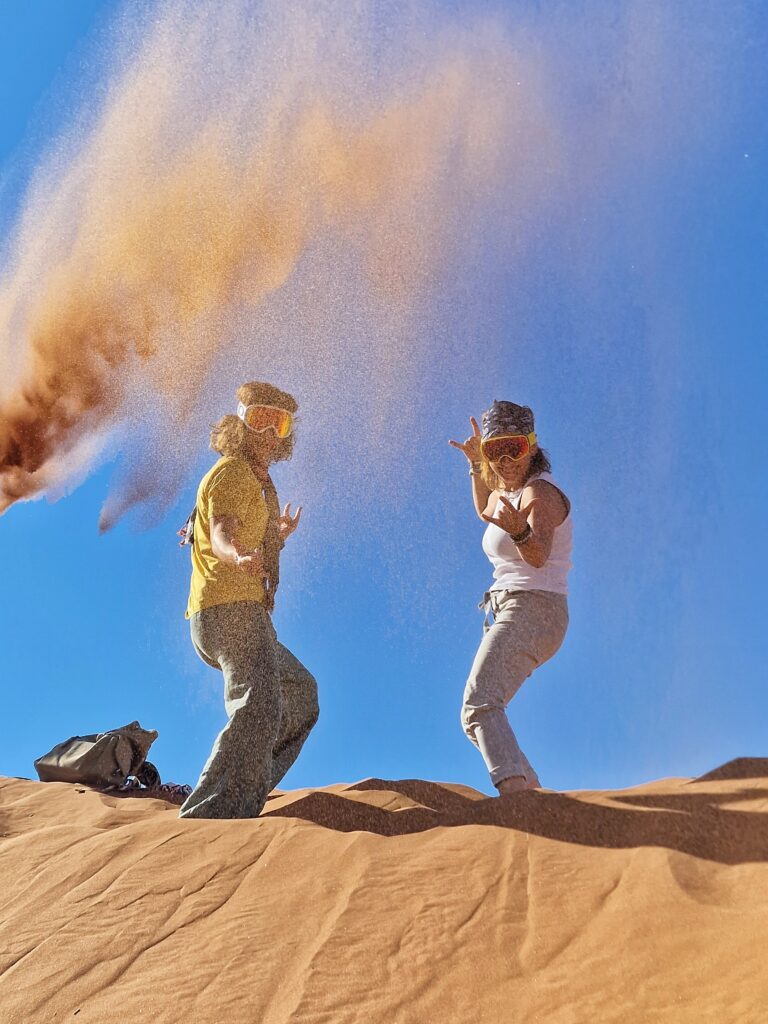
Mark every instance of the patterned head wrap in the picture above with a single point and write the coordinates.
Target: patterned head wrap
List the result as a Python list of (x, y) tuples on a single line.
[(506, 418)]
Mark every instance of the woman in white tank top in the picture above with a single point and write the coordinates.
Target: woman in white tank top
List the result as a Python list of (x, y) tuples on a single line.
[(528, 542)]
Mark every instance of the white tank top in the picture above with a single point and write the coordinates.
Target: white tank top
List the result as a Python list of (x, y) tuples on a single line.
[(511, 571)]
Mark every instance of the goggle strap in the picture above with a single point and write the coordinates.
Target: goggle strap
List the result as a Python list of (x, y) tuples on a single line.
[(283, 416)]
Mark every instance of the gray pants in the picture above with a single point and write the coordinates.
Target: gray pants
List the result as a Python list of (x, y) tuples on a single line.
[(528, 629), (271, 702)]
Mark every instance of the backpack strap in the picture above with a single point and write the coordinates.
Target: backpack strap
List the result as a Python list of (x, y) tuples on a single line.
[(187, 532)]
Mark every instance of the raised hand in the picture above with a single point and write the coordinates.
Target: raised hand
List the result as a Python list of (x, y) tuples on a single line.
[(288, 523), (513, 521), (471, 447)]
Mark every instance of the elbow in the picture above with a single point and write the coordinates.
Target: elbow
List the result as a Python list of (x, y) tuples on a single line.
[(536, 559)]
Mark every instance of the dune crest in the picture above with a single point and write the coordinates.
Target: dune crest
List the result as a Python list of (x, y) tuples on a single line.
[(390, 901)]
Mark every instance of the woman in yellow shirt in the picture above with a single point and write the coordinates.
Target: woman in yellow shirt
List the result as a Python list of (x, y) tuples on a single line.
[(270, 697)]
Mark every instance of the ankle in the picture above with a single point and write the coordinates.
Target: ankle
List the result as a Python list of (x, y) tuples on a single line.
[(512, 784)]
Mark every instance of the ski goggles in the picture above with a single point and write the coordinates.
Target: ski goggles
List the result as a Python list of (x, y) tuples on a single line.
[(266, 417), (509, 446)]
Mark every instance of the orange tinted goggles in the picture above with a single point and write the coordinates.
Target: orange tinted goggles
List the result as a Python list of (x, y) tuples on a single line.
[(512, 446), (266, 417)]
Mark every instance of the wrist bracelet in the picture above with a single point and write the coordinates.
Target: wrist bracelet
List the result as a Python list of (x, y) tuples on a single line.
[(475, 468), (524, 536)]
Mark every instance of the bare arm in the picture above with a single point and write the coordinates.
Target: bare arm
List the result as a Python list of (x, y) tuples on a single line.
[(547, 512), (543, 509), (482, 495), (229, 550)]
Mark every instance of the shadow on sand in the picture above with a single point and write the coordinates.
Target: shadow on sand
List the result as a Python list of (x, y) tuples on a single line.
[(691, 822)]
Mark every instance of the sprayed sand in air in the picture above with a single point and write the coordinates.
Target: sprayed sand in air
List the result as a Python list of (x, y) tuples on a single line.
[(231, 150)]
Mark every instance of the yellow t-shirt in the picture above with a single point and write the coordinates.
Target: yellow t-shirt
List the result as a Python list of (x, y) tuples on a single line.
[(229, 488)]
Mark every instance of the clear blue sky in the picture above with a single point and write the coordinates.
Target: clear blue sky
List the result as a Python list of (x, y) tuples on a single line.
[(644, 334)]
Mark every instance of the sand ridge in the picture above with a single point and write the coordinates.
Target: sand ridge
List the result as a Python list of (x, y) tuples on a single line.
[(392, 901)]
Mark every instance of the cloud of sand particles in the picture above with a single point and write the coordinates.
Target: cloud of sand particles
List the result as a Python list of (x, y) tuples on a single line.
[(278, 190), (236, 148)]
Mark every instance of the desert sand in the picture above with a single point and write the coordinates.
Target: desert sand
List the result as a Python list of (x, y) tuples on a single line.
[(400, 902)]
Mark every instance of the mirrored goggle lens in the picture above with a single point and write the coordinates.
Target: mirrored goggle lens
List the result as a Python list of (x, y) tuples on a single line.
[(515, 448), (262, 417)]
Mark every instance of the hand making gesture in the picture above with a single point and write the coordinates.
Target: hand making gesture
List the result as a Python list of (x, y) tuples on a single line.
[(471, 447), (251, 563), (288, 523), (513, 521)]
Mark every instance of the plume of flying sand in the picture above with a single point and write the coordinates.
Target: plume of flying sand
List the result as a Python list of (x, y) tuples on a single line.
[(232, 148)]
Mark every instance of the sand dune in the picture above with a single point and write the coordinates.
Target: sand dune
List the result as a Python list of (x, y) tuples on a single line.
[(400, 902)]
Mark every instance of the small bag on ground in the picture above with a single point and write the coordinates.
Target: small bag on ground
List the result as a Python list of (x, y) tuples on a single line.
[(104, 759)]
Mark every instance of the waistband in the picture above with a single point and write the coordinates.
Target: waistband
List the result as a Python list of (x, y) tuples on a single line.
[(493, 599)]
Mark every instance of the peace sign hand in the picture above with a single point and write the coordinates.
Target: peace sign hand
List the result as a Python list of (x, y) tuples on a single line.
[(471, 447), (513, 521), (288, 523)]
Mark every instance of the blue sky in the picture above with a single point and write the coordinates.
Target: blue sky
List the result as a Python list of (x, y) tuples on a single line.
[(636, 332)]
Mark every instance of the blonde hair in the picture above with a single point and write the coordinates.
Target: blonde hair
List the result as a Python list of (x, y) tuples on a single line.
[(231, 437)]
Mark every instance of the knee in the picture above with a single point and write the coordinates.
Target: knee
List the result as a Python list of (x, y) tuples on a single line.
[(483, 690), (480, 698), (467, 720), (472, 715)]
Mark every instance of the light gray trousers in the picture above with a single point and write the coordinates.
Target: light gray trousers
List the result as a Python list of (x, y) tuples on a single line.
[(528, 628), (271, 703)]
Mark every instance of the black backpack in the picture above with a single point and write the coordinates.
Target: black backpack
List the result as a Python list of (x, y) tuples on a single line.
[(104, 760)]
